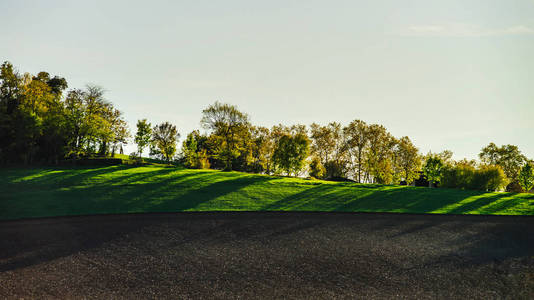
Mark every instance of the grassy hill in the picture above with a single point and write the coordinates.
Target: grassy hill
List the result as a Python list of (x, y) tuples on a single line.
[(126, 189)]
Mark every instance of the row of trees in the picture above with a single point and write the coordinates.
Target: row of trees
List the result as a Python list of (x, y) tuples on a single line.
[(42, 122), (362, 152), (503, 167), (161, 140)]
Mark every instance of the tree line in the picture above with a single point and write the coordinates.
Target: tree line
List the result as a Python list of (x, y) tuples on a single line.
[(43, 122), (360, 152)]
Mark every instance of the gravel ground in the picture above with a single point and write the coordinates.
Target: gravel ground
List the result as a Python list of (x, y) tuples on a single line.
[(268, 255)]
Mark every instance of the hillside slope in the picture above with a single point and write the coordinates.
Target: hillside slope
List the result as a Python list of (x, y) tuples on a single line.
[(123, 189)]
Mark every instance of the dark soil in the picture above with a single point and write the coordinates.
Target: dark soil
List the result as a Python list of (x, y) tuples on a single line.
[(268, 255)]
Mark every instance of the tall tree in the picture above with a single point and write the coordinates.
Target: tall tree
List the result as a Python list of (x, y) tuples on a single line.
[(228, 122), (408, 159), (357, 142), (379, 153), (164, 137), (526, 177), (260, 149), (143, 135), (120, 131), (507, 156), (328, 143)]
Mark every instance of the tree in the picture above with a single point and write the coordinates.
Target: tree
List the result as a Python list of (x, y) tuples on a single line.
[(446, 157), (357, 141), (143, 135), (526, 177), (408, 159), (260, 149), (432, 169), (164, 138), (290, 153), (379, 154), (328, 143), (119, 130), (507, 156), (226, 121), (194, 152), (39, 124)]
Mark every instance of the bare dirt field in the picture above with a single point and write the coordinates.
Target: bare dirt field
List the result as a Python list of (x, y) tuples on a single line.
[(268, 255)]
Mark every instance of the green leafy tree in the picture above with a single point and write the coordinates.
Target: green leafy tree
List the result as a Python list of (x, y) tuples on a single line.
[(260, 149), (328, 143), (357, 139), (39, 124), (227, 122), (433, 169), (290, 153), (526, 177), (120, 132), (143, 135), (407, 160), (379, 154), (194, 151), (509, 157), (164, 137)]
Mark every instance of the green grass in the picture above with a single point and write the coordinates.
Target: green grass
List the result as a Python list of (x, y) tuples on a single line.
[(44, 192)]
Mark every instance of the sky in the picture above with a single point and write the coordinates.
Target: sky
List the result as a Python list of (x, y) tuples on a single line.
[(450, 74)]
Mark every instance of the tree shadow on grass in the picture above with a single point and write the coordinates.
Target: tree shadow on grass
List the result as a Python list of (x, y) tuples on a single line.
[(356, 198), (205, 190), (65, 176), (481, 201), (424, 200), (154, 191)]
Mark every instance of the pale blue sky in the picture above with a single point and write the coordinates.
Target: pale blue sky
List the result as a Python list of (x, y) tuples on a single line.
[(452, 74)]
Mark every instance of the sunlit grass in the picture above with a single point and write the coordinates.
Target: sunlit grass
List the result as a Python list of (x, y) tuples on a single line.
[(122, 189)]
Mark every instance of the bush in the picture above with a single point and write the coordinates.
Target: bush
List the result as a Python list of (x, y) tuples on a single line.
[(136, 159), (197, 160), (459, 176), (316, 168), (514, 187), (489, 178), (485, 178), (335, 169)]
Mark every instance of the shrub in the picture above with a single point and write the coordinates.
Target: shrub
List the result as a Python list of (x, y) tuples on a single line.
[(514, 187), (316, 168), (489, 178), (464, 176), (202, 161), (197, 160), (459, 176), (135, 158)]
